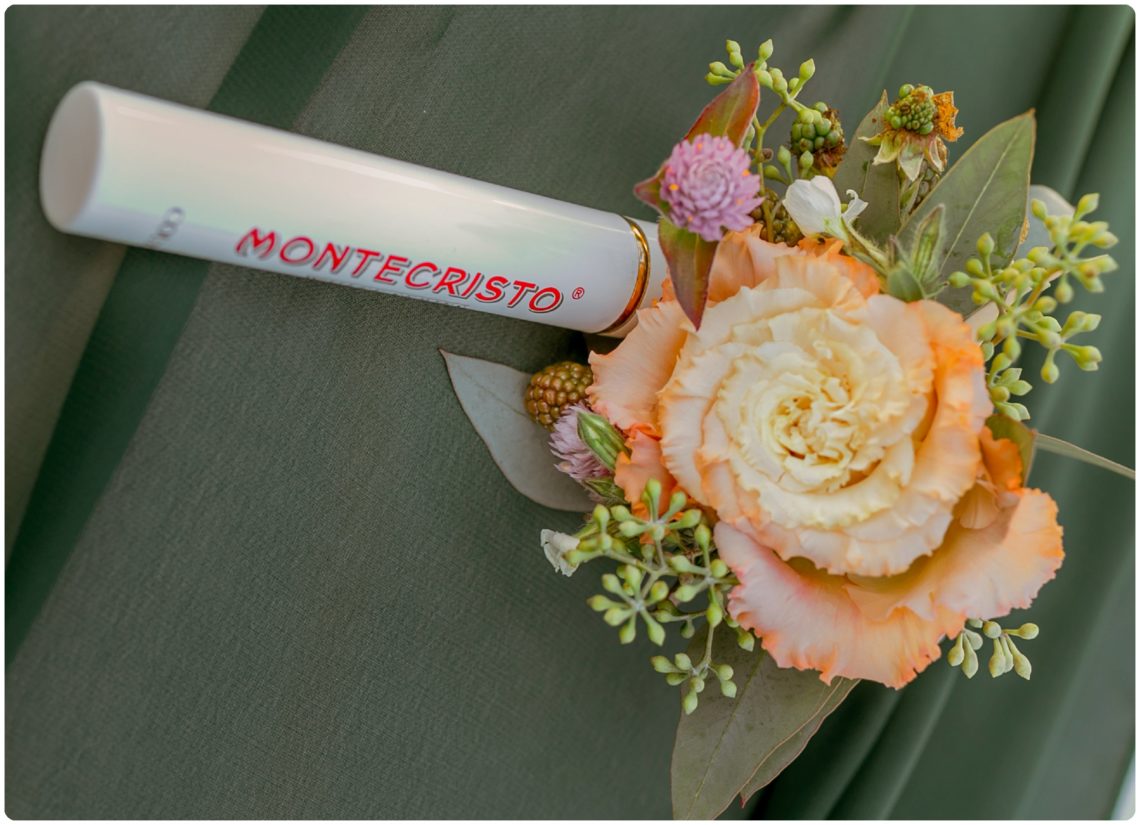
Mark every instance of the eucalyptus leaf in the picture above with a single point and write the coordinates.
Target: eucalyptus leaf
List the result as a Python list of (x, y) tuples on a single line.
[(492, 397), (985, 191), (1059, 447), (690, 259), (730, 747), (877, 185)]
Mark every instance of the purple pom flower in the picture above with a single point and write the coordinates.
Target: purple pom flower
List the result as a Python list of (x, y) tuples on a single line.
[(578, 460), (708, 186)]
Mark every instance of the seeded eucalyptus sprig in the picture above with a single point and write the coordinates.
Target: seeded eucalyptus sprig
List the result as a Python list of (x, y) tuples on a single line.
[(667, 574), (1025, 312), (1006, 656), (816, 142)]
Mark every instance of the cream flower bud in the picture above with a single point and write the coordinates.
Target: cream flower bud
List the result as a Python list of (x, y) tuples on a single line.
[(556, 545)]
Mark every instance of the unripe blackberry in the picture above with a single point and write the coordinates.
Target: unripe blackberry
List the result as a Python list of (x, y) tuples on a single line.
[(555, 388), (820, 134), (784, 229)]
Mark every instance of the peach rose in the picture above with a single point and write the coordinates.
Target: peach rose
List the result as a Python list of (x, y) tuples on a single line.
[(838, 436)]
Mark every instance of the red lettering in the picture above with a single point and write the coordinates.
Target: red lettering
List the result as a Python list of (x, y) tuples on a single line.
[(337, 256), (400, 263), (474, 283), (294, 242), (366, 256), (554, 296), (492, 290), (256, 240), (521, 289), (449, 282), (425, 265)]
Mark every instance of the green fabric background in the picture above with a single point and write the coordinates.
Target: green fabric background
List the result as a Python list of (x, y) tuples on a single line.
[(259, 563)]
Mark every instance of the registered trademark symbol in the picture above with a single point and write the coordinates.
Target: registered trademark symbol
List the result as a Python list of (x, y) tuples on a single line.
[(577, 293)]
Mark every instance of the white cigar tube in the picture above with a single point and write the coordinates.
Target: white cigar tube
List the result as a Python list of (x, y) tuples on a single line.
[(132, 169)]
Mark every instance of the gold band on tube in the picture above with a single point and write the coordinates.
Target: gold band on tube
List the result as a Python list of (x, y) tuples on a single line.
[(642, 278)]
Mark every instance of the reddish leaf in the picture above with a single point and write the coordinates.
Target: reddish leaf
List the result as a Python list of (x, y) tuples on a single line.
[(729, 115), (730, 112), (690, 258)]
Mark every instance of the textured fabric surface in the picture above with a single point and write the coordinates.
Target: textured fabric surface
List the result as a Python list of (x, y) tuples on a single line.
[(266, 568)]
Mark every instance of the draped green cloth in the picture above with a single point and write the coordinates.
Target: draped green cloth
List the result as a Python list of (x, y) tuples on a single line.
[(260, 565)]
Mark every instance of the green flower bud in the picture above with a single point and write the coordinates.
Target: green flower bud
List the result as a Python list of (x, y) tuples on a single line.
[(723, 672), (610, 582), (734, 55), (986, 245), (765, 50), (601, 437), (807, 69), (1026, 631), (689, 703), (1038, 209), (806, 160), (972, 639), (728, 689), (674, 679), (628, 631), (1088, 203), (783, 156), (991, 630), (688, 630), (683, 661), (974, 623), (896, 122), (1064, 291), (956, 654), (631, 574), (970, 664), (745, 640), (764, 78), (702, 536), (1087, 358), (600, 603), (654, 631), (719, 68), (658, 591), (998, 661), (615, 616), (717, 80), (1049, 371), (629, 529), (714, 614), (682, 564), (686, 593), (905, 90), (718, 568), (661, 664)]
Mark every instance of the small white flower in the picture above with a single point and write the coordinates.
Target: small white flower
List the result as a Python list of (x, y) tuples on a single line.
[(556, 545), (814, 206)]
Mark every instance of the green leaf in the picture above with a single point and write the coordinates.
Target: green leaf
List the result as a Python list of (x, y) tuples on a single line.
[(1058, 447), (690, 259), (985, 191), (728, 747), (877, 185), (1002, 426), (492, 397), (729, 114)]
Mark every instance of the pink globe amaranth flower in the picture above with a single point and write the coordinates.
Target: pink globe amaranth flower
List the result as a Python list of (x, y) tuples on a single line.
[(709, 187), (577, 460)]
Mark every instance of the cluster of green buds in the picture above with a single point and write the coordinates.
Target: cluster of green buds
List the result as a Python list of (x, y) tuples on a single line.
[(817, 142), (668, 574), (914, 109), (1005, 657), (1025, 311)]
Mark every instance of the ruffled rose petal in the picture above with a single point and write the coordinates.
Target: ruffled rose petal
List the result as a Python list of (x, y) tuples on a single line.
[(860, 274), (626, 380), (983, 573), (807, 620)]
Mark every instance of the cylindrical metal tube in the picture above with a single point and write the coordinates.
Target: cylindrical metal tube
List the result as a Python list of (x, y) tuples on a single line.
[(132, 169)]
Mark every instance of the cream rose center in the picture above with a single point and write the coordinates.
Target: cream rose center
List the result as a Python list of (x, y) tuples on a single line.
[(806, 408)]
